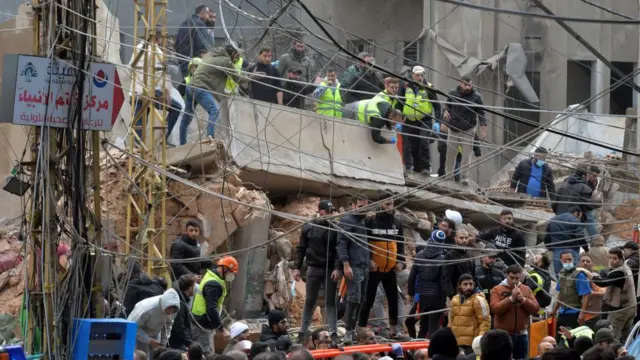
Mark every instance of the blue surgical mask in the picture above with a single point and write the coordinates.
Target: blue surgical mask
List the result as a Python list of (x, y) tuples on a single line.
[(568, 267), (540, 163)]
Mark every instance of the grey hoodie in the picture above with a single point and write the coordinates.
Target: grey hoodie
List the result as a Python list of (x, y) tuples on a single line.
[(151, 319)]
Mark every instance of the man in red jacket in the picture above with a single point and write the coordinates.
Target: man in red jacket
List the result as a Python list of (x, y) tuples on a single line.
[(512, 304)]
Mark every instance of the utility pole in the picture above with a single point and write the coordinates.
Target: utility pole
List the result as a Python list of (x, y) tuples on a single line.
[(146, 206)]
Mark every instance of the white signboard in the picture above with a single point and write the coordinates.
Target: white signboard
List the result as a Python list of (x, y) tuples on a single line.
[(44, 89)]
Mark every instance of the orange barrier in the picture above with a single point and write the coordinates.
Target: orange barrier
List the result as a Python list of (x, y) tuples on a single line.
[(367, 349)]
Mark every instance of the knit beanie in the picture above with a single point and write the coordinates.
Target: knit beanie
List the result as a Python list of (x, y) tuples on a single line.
[(443, 342), (438, 236), (275, 316)]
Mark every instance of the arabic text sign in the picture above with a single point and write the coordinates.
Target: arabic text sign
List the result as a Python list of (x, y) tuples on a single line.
[(44, 91)]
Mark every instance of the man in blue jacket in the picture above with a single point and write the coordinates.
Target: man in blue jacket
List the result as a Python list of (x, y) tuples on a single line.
[(565, 232), (193, 37), (353, 253), (534, 176)]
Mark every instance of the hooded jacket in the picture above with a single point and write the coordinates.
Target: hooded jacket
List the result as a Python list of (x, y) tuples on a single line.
[(141, 287), (317, 245), (463, 117), (270, 337), (599, 254), (389, 252), (186, 248), (512, 317), (359, 79), (293, 59), (426, 279), (210, 74), (634, 264), (356, 252), (575, 192), (507, 239), (469, 317), (149, 315), (522, 174), (181, 331), (564, 231)]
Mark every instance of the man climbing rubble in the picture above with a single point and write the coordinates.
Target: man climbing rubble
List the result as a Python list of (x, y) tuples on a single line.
[(154, 317), (209, 299), (187, 248), (353, 253), (318, 246)]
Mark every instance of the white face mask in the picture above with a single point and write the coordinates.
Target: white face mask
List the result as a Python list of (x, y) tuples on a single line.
[(229, 277)]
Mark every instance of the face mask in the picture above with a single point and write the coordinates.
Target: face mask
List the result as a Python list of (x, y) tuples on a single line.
[(540, 163), (229, 277), (568, 267)]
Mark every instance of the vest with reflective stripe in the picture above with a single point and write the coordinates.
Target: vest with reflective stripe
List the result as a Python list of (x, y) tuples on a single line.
[(568, 289), (540, 282), (417, 106), (578, 332), (365, 109), (187, 80), (231, 87), (385, 97), (330, 102), (199, 306)]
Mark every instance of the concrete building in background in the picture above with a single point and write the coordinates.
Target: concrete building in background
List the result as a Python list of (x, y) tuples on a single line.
[(561, 71)]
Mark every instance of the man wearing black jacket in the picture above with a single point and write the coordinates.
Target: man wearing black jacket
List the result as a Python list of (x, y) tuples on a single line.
[(574, 192), (353, 253), (461, 121), (456, 264), (180, 338), (534, 176), (295, 92), (269, 87), (186, 247), (318, 246), (387, 259), (487, 275), (193, 37), (506, 238)]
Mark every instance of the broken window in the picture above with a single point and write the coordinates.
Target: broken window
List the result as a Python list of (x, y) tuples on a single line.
[(411, 53)]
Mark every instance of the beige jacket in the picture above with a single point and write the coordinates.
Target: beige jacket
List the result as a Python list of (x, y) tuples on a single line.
[(157, 72)]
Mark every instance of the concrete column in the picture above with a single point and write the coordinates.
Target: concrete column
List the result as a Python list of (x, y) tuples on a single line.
[(636, 79), (597, 86)]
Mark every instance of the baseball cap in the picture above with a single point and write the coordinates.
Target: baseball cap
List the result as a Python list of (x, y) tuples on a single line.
[(326, 205), (418, 70)]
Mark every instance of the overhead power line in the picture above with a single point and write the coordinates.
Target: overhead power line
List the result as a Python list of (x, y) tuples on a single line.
[(610, 11), (542, 16)]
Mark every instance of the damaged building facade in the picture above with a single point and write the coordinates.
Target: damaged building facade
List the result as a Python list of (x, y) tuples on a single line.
[(560, 70)]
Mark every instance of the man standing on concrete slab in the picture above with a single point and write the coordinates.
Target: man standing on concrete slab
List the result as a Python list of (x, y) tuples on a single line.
[(318, 246), (186, 248), (461, 121), (534, 176), (387, 259), (353, 253)]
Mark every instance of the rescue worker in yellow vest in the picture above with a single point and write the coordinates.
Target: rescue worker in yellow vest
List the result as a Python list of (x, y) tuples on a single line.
[(375, 113), (539, 282), (329, 101), (209, 299), (390, 92), (231, 87), (193, 65), (418, 109)]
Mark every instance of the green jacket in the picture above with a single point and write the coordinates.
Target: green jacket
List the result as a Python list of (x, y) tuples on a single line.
[(293, 60), (213, 78)]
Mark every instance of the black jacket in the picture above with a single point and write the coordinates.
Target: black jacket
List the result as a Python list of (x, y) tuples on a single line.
[(270, 337), (507, 239), (564, 231), (521, 175), (265, 89), (181, 330), (455, 268), (142, 287), (294, 93), (426, 278), (378, 123), (356, 252), (360, 80), (542, 296), (211, 291), (574, 192), (386, 226), (186, 248), (317, 245), (192, 38), (488, 278), (463, 117), (633, 263)]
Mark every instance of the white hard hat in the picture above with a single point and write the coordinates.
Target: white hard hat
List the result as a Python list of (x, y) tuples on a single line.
[(453, 216)]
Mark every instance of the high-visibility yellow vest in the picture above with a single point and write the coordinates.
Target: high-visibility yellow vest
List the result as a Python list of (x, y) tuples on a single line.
[(199, 306), (578, 332), (231, 87), (417, 106), (330, 102), (540, 282), (384, 96), (187, 80), (368, 108)]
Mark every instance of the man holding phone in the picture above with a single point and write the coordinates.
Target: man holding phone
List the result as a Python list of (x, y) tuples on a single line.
[(512, 305)]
